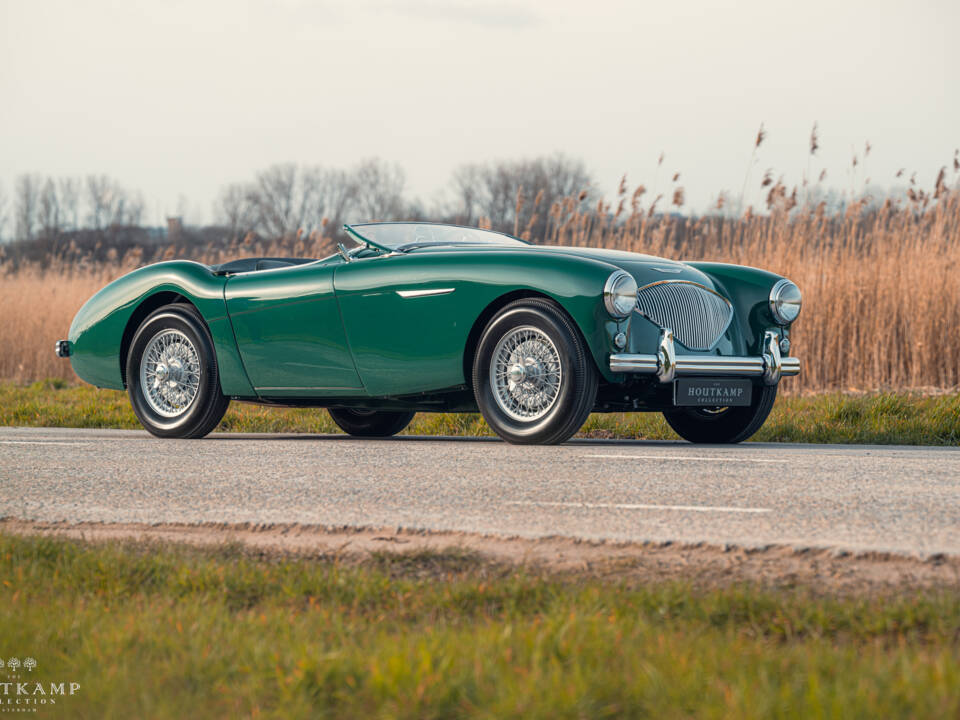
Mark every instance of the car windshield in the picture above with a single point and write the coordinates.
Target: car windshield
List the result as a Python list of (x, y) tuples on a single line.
[(403, 236)]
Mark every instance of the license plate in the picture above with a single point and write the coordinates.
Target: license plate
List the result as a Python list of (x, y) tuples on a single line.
[(711, 393)]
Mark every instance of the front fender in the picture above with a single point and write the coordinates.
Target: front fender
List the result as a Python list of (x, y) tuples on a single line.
[(96, 334)]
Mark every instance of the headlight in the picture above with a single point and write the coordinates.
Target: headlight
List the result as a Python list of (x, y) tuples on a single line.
[(620, 294), (785, 302)]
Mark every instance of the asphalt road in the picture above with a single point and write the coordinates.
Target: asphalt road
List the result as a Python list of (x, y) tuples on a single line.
[(901, 499)]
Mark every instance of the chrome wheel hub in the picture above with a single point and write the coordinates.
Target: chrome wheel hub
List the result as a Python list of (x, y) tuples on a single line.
[(525, 374), (170, 373), (517, 373)]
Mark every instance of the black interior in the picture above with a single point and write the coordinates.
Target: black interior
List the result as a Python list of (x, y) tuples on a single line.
[(253, 264)]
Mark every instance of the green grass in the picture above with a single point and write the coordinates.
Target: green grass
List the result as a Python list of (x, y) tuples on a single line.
[(881, 418), (172, 632)]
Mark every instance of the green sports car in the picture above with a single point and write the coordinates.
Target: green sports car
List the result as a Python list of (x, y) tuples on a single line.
[(422, 317)]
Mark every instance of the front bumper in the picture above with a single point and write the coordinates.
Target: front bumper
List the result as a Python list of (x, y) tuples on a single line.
[(667, 365)]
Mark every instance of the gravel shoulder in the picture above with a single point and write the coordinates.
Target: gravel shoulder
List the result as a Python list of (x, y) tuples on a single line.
[(701, 565)]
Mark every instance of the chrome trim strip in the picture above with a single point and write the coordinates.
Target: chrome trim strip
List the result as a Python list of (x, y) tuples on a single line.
[(684, 282), (424, 293), (308, 388)]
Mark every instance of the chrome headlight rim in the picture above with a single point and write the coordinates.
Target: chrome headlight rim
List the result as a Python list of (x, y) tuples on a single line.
[(620, 294), (779, 303)]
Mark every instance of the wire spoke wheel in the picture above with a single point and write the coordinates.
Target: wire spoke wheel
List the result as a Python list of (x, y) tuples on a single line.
[(526, 373), (170, 373), (533, 378)]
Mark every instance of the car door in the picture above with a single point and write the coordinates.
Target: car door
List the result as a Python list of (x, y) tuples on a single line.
[(407, 318), (289, 332)]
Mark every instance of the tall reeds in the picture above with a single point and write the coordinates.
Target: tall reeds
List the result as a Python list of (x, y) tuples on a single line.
[(881, 284)]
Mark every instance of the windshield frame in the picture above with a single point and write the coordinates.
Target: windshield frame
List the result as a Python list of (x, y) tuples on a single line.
[(354, 231)]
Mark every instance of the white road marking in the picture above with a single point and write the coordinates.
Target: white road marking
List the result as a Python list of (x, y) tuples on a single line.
[(638, 506), (696, 458), (40, 442)]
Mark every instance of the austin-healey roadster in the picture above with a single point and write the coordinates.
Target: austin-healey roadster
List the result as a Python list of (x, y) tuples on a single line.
[(422, 317)]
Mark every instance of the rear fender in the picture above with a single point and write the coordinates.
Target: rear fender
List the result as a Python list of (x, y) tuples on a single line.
[(100, 328)]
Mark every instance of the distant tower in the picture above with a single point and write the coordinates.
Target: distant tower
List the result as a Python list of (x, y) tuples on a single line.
[(174, 229)]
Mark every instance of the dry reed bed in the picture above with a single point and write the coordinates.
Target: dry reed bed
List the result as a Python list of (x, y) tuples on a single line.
[(881, 287)]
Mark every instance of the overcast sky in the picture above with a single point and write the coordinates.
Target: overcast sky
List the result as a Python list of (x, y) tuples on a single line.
[(178, 98)]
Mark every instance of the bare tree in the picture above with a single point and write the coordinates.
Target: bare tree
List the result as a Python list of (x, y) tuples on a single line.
[(132, 210), (109, 204), (99, 191), (277, 198), (468, 188), (379, 190), (339, 192), (3, 211), (68, 189), (488, 191), (48, 211), (234, 210), (26, 200), (285, 198), (491, 191)]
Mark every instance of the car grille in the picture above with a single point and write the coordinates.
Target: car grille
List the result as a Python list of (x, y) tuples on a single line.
[(697, 315)]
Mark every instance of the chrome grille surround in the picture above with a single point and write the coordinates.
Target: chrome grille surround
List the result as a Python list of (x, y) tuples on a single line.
[(697, 315)]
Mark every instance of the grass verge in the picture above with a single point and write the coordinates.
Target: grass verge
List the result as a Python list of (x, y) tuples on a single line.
[(880, 418), (170, 632)]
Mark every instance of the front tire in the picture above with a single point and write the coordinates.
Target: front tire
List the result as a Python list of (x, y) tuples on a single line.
[(172, 375), (723, 425), (533, 377), (370, 423)]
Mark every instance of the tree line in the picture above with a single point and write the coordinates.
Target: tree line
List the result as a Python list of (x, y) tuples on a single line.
[(45, 206), (284, 199)]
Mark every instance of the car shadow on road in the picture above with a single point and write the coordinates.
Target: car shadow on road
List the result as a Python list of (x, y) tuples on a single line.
[(679, 445), (581, 442)]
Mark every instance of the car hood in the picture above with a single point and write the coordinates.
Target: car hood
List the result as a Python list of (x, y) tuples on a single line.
[(645, 269)]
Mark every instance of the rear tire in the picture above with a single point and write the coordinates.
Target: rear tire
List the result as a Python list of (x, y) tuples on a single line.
[(370, 423), (729, 425), (172, 376), (544, 384)]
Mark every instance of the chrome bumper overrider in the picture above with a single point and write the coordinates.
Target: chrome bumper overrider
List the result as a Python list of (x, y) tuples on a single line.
[(666, 364)]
